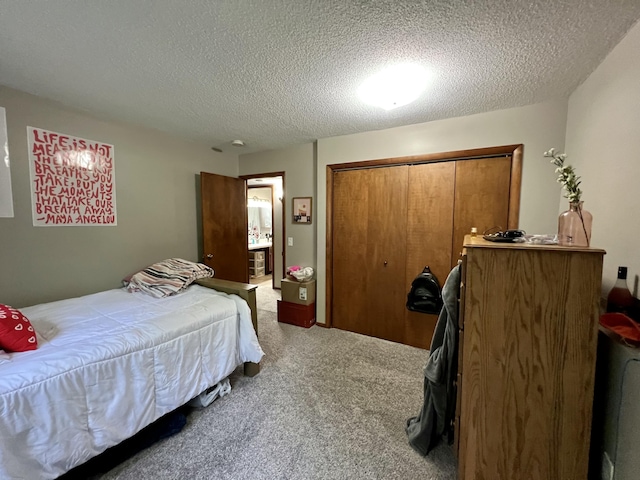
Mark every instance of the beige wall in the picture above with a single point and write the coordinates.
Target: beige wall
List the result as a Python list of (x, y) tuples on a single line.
[(603, 143), (157, 206), (156, 195), (538, 127), (298, 163)]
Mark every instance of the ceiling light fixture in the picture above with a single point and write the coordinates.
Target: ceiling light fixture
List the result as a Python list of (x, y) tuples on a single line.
[(395, 86)]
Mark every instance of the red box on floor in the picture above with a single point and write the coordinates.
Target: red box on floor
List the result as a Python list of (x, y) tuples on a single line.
[(294, 314)]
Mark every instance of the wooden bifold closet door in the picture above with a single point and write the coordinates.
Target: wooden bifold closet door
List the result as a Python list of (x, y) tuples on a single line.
[(370, 221), (390, 222)]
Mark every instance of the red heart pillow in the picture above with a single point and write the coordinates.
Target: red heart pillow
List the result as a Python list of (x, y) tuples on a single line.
[(16, 332)]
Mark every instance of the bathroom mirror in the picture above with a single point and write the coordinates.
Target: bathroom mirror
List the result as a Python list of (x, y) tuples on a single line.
[(259, 221)]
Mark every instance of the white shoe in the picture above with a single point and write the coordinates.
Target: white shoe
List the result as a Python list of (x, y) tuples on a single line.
[(225, 387), (207, 397)]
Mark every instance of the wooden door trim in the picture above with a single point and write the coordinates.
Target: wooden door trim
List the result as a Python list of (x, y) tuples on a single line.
[(515, 151), (329, 249), (262, 175), (514, 190), (284, 237), (431, 157)]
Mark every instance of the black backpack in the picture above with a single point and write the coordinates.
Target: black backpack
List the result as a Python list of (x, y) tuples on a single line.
[(425, 295)]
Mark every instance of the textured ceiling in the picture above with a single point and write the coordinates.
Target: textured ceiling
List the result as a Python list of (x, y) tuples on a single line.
[(275, 72)]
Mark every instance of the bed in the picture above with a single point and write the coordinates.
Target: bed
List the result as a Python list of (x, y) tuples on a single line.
[(111, 363)]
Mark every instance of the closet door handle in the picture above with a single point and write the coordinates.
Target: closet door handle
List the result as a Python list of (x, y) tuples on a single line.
[(385, 263)]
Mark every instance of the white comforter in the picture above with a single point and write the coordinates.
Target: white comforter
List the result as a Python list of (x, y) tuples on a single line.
[(109, 364)]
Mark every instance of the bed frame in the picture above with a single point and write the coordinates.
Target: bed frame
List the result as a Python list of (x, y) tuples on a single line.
[(246, 292), (46, 464)]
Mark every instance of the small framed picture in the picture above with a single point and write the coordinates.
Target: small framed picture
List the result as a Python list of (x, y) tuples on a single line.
[(302, 210)]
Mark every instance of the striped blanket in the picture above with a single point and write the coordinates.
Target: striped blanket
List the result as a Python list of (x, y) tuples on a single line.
[(168, 277)]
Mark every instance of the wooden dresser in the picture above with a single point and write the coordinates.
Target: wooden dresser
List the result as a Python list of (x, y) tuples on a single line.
[(527, 351)]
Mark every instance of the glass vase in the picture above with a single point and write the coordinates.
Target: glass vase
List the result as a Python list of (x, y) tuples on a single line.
[(574, 226)]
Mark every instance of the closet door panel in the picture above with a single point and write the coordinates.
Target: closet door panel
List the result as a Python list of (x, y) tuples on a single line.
[(386, 251), (389, 222), (350, 260), (481, 198), (429, 233)]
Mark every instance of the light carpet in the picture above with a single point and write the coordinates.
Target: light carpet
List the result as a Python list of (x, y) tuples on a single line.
[(328, 404)]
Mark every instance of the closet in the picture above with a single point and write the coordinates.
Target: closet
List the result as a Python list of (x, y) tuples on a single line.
[(389, 220)]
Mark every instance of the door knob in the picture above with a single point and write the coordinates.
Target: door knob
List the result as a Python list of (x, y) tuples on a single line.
[(210, 256), (385, 263)]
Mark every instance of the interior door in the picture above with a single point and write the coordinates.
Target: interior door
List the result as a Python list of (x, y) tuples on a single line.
[(389, 222), (350, 263), (481, 198), (224, 226), (429, 233), (370, 218)]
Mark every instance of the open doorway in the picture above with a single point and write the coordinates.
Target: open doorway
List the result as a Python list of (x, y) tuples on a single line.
[(266, 227)]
